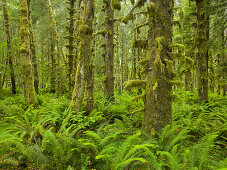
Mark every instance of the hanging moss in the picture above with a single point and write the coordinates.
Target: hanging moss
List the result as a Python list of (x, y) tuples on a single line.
[(115, 4), (139, 97), (177, 23), (151, 8), (142, 44), (177, 83), (169, 65), (134, 83), (158, 63), (189, 61), (84, 29), (126, 18)]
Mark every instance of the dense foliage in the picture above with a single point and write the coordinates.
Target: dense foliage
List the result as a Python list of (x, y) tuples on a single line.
[(113, 85), (50, 137)]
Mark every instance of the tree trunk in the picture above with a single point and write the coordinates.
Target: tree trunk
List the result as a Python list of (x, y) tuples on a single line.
[(109, 55), (84, 56), (9, 53), (202, 50), (158, 100), (29, 90), (70, 46), (33, 51), (53, 64)]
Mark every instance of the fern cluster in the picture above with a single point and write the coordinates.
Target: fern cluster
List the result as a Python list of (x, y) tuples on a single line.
[(50, 137)]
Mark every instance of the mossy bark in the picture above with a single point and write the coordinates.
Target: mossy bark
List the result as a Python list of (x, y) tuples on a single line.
[(84, 55), (59, 46), (109, 51), (53, 66), (33, 51), (158, 99), (70, 46), (202, 50), (9, 47), (28, 82)]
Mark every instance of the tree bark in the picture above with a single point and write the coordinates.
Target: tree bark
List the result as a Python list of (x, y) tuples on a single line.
[(29, 90), (9, 47), (33, 51), (158, 97), (109, 55), (84, 55), (202, 50), (70, 46)]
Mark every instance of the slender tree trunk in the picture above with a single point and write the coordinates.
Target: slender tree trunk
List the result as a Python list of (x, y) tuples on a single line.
[(85, 33), (109, 57), (158, 100), (59, 46), (29, 90), (9, 53), (70, 46), (202, 50), (53, 66), (33, 51)]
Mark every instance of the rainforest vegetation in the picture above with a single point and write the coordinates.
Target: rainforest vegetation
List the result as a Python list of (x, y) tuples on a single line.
[(113, 84)]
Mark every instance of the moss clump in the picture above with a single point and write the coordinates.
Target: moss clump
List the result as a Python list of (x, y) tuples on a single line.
[(84, 29), (134, 83), (126, 18), (189, 61), (139, 44), (169, 65), (103, 45), (151, 8), (177, 83), (115, 4), (158, 63)]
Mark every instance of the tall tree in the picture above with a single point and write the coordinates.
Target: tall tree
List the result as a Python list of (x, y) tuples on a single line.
[(70, 45), (109, 51), (9, 46), (84, 55), (158, 99), (202, 50), (33, 50), (29, 90)]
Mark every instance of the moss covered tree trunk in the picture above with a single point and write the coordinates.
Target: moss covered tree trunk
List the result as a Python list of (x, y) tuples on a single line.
[(158, 100), (33, 51), (84, 55), (53, 66), (9, 47), (202, 50), (109, 55), (29, 90), (70, 45)]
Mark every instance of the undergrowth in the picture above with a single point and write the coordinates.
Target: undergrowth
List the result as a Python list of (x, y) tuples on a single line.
[(51, 137)]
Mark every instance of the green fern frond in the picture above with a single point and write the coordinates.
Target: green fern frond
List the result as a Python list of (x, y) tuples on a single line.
[(93, 136), (172, 162), (124, 164)]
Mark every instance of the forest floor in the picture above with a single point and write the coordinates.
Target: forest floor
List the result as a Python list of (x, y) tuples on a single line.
[(50, 137)]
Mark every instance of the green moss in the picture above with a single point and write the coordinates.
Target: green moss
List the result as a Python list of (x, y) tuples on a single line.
[(103, 45), (126, 18), (134, 83), (115, 4), (177, 83), (169, 65), (158, 63), (151, 8), (189, 61), (84, 29)]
